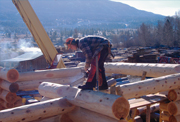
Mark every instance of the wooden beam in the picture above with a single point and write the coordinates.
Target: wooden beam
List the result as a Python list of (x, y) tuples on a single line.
[(111, 105), (36, 111), (10, 75), (149, 86)]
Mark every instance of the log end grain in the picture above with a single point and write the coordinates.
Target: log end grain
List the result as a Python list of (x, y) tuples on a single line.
[(11, 97), (172, 119), (121, 108), (172, 108), (172, 96), (9, 105), (14, 87), (12, 75)]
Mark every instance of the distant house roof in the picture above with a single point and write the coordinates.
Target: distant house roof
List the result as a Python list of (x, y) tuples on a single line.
[(25, 57)]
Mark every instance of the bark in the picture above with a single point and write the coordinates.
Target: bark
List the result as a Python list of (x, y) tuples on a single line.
[(149, 86), (136, 69), (50, 73), (10, 75), (174, 94), (111, 105), (36, 111), (12, 87)]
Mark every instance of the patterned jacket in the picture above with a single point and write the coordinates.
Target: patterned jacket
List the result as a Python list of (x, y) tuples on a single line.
[(92, 45)]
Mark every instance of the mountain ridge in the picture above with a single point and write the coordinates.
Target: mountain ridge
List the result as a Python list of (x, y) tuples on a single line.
[(77, 13)]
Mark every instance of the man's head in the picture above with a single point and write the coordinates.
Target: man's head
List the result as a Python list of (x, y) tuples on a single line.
[(71, 43)]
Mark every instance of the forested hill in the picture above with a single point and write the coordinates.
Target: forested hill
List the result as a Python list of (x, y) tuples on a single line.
[(79, 13)]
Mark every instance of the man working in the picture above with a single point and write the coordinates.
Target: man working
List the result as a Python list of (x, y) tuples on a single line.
[(91, 47)]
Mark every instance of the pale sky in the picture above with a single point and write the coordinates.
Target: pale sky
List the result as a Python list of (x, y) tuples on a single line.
[(163, 7)]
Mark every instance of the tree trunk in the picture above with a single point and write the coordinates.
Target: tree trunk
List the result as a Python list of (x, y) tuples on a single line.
[(174, 94), (12, 87), (149, 86), (152, 69), (174, 108), (36, 111), (10, 75), (33, 84), (84, 115), (174, 118), (110, 105), (8, 96), (50, 73)]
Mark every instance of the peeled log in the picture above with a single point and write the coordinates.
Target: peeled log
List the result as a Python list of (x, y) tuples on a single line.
[(136, 69), (12, 87), (174, 94), (36, 111), (5, 104), (50, 73), (18, 102), (33, 84), (8, 96), (165, 116), (10, 75), (163, 106), (84, 115), (174, 108), (111, 105), (149, 86), (153, 108), (50, 119), (174, 118)]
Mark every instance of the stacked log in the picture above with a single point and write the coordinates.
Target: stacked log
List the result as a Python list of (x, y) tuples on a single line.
[(113, 106), (137, 69), (174, 105), (149, 86), (36, 111), (8, 87), (11, 81)]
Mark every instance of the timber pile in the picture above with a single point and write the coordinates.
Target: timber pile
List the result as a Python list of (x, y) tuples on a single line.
[(125, 100), (8, 97), (13, 83)]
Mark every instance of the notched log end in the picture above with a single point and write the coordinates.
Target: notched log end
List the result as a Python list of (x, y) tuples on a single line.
[(172, 108), (120, 108), (172, 119), (12, 75), (172, 96)]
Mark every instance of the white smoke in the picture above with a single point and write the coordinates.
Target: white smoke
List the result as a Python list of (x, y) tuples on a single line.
[(27, 46)]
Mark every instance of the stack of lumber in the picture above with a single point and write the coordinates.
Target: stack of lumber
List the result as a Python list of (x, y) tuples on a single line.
[(13, 82), (8, 89), (70, 104), (173, 107), (165, 77)]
